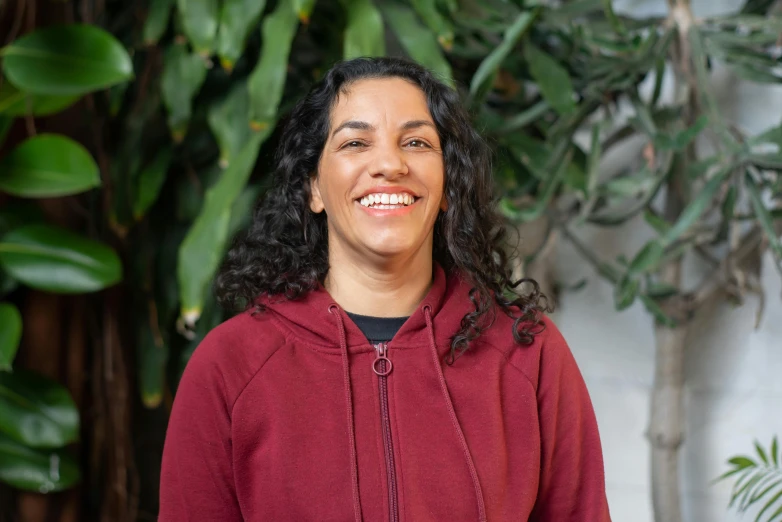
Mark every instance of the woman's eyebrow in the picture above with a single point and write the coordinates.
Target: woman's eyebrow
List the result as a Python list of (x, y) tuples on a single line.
[(353, 124), (415, 124)]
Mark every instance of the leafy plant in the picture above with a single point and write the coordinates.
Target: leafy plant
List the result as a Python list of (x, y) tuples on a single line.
[(757, 482)]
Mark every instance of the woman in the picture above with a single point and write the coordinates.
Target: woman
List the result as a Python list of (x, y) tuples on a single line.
[(381, 371)]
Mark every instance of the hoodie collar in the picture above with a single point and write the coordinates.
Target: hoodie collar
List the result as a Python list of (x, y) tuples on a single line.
[(308, 317)]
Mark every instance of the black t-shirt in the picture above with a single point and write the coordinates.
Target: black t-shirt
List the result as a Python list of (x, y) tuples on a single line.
[(378, 329)]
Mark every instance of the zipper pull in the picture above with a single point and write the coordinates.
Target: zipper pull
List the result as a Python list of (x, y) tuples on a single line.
[(385, 368)]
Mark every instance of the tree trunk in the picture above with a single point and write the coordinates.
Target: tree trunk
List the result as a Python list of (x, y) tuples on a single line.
[(666, 432)]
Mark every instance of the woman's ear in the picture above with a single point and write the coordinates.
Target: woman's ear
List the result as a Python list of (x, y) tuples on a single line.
[(443, 203), (316, 201)]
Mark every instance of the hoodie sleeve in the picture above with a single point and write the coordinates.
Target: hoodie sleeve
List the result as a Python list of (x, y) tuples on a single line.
[(572, 481), (196, 481)]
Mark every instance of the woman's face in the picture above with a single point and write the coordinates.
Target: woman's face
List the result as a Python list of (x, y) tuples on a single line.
[(381, 174)]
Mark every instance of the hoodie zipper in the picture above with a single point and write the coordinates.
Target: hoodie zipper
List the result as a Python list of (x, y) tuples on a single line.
[(382, 367)]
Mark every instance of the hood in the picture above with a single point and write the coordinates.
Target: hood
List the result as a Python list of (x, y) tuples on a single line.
[(310, 317)]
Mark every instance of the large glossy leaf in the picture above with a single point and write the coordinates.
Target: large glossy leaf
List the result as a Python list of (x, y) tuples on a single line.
[(267, 80), (183, 74), (66, 61), (40, 471), (418, 41), (552, 79), (484, 76), (150, 181), (199, 21), (242, 211), (237, 18), (157, 20), (364, 33), (14, 102), (303, 9), (436, 22), (10, 333), (58, 260), (230, 123), (48, 165), (202, 249), (36, 411), (152, 358)]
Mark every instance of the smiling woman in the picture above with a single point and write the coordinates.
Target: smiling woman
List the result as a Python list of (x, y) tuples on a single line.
[(379, 370)]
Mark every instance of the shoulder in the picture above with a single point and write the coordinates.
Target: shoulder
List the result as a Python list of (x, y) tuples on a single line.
[(232, 353), (547, 351)]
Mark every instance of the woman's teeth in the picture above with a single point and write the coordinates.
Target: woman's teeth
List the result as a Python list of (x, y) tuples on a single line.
[(387, 201)]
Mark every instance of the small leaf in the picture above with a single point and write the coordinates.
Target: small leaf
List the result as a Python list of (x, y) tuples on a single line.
[(484, 76), (36, 411), (696, 207), (40, 471), (230, 123), (418, 41), (660, 316), (742, 462), (593, 164), (68, 60), (10, 333), (439, 26), (552, 79), (199, 21), (150, 181), (267, 80), (764, 217), (14, 102), (657, 223), (761, 453), (661, 290), (626, 292), (57, 260), (681, 139), (202, 249), (364, 35), (48, 165), (182, 77), (303, 9), (156, 21), (237, 18), (775, 451), (648, 258)]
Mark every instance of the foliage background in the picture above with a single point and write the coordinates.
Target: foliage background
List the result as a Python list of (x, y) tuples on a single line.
[(180, 129)]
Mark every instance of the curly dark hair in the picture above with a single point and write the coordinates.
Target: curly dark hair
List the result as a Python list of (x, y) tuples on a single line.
[(285, 250)]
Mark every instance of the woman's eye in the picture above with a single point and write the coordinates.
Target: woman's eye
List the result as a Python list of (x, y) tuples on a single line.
[(353, 144), (417, 144)]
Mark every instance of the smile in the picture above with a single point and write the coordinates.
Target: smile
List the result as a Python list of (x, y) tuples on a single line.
[(387, 201)]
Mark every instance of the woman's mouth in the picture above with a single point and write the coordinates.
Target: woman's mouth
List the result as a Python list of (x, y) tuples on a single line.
[(387, 201)]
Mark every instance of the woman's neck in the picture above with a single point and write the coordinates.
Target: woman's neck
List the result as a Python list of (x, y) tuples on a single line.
[(393, 289)]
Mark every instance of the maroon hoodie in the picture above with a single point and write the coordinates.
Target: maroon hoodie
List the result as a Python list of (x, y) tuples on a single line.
[(280, 417)]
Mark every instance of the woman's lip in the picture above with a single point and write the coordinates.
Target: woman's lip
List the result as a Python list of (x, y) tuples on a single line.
[(388, 211), (386, 190)]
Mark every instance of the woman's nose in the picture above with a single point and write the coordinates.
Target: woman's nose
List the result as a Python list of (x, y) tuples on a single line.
[(388, 161)]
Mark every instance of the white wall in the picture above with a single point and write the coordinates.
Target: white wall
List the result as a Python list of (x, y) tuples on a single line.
[(734, 372)]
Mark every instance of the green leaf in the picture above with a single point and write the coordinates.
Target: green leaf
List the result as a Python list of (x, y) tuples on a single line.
[(66, 61), (742, 462), (237, 18), (681, 139), (484, 76), (303, 9), (761, 453), (202, 249), (659, 315), (48, 165), (228, 119), (657, 223), (364, 35), (199, 22), (696, 207), (648, 258), (242, 211), (764, 217), (417, 40), (36, 470), (36, 411), (267, 81), (156, 21), (14, 102), (182, 77), (552, 79), (545, 193), (150, 181), (526, 117), (153, 357), (439, 26), (775, 451), (57, 260), (626, 292), (10, 333), (661, 290)]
